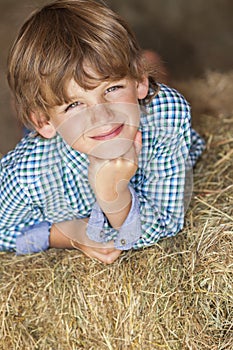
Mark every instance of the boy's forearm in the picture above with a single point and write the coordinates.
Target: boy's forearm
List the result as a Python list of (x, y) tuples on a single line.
[(116, 210), (60, 238), (110, 180), (61, 234)]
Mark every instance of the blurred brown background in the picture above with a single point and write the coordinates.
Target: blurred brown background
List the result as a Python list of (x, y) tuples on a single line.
[(191, 36)]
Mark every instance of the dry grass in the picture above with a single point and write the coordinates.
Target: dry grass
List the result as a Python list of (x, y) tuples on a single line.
[(175, 295)]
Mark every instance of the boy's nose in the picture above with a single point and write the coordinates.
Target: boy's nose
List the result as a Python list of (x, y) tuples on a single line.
[(101, 113)]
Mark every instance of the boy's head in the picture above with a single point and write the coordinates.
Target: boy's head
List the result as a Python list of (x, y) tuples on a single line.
[(60, 43)]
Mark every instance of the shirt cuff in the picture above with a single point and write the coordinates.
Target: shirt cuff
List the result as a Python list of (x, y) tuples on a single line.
[(33, 239), (124, 239)]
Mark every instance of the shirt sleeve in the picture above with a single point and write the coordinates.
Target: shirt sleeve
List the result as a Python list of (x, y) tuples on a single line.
[(33, 239), (16, 216), (99, 230), (162, 195), (164, 183)]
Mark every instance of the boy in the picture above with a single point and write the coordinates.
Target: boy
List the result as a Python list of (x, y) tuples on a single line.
[(104, 169)]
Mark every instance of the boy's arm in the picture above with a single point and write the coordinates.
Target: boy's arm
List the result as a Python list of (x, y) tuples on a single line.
[(109, 179), (40, 237), (21, 232), (15, 208), (59, 238), (110, 182), (166, 189)]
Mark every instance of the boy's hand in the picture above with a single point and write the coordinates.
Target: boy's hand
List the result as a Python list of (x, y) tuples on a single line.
[(103, 254), (62, 236), (109, 178)]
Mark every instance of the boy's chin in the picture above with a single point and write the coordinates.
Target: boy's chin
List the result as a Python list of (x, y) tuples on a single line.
[(111, 149)]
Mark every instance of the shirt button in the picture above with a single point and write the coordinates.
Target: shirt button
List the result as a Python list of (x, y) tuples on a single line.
[(101, 234), (123, 241)]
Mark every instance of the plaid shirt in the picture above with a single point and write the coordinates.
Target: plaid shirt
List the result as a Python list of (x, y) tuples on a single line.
[(46, 181)]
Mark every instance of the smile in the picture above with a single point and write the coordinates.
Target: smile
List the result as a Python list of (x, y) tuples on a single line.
[(109, 135)]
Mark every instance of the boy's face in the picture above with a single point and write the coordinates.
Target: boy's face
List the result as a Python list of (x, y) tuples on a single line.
[(103, 121)]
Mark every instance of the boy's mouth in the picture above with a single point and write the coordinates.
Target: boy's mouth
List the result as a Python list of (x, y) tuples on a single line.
[(109, 134)]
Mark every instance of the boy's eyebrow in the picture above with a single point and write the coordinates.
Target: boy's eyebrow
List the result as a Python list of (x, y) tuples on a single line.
[(71, 99)]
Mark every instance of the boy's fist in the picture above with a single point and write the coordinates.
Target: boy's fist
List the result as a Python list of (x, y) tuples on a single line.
[(109, 178)]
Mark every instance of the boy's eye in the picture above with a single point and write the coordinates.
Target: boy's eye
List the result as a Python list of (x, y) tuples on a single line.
[(73, 105), (113, 88)]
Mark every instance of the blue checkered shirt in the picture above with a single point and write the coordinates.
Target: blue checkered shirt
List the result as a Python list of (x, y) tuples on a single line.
[(43, 182)]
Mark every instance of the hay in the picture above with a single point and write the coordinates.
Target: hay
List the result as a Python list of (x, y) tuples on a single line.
[(175, 295)]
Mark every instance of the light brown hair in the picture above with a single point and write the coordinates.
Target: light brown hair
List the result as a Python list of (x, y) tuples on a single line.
[(57, 42)]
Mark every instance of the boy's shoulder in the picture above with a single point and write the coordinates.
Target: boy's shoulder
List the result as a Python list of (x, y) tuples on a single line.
[(168, 110), (169, 96), (31, 157)]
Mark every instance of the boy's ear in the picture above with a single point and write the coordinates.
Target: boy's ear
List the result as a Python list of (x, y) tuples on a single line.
[(43, 126), (142, 88)]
